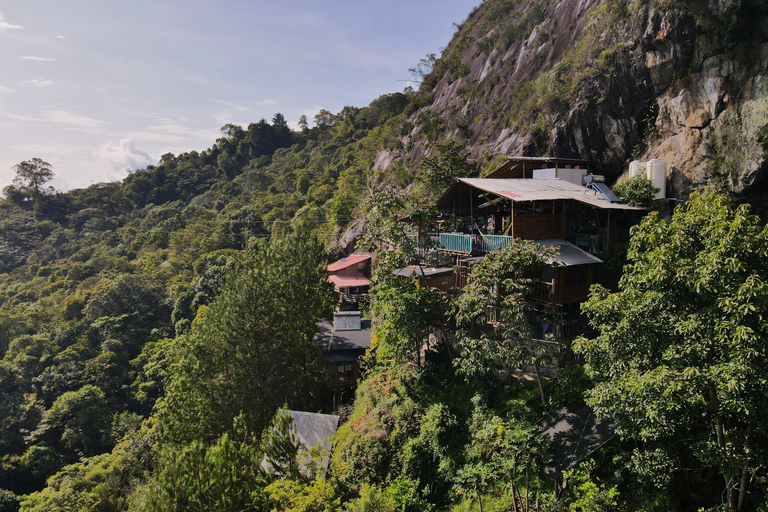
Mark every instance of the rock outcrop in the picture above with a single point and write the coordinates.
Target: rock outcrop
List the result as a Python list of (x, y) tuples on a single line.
[(610, 81)]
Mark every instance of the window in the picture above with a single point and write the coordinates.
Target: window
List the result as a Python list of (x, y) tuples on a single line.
[(344, 370)]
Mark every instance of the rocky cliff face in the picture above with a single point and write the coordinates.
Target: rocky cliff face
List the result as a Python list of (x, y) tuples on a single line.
[(606, 80)]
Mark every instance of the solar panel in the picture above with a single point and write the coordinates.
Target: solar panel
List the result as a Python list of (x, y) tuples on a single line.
[(605, 192)]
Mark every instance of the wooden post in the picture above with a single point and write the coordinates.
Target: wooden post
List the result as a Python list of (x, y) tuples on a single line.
[(471, 210)]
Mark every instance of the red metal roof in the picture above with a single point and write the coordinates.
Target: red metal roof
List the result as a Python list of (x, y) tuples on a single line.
[(343, 263), (349, 281)]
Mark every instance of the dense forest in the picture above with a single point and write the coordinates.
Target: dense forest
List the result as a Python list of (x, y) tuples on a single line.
[(150, 329)]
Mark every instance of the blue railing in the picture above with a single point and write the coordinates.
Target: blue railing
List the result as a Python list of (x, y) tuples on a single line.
[(473, 243), (456, 242), (493, 243)]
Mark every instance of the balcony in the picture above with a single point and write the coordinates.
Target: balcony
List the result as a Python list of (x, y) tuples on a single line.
[(469, 244)]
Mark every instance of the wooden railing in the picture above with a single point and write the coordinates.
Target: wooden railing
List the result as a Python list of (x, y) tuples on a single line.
[(542, 291)]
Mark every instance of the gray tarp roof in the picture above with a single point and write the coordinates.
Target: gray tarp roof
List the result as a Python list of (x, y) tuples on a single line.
[(569, 254), (310, 429), (574, 434)]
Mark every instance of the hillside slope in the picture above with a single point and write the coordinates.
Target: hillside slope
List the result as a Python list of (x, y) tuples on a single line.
[(605, 80)]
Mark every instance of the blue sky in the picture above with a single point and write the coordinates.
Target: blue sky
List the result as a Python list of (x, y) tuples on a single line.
[(97, 87)]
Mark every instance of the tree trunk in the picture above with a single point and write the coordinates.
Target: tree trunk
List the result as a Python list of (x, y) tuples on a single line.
[(538, 379)]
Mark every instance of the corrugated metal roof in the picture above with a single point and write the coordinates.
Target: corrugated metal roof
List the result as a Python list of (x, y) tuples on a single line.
[(569, 254), (417, 271), (343, 263), (520, 190), (332, 340), (350, 280)]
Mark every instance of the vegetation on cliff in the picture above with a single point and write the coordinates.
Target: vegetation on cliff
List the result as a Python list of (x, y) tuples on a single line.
[(149, 329)]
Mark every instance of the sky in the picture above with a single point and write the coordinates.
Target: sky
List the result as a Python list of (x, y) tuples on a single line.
[(99, 87)]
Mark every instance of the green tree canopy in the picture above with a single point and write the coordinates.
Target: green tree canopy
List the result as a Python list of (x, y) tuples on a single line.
[(31, 175), (251, 350), (503, 283), (636, 191), (681, 357)]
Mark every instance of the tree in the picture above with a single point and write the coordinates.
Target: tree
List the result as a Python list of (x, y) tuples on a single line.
[(406, 314), (636, 191), (31, 176), (303, 123), (503, 282), (444, 166), (682, 351), (251, 350), (225, 475), (77, 422), (500, 452)]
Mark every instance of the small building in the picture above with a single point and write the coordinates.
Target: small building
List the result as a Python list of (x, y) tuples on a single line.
[(442, 278), (350, 277), (483, 214), (344, 342), (551, 201)]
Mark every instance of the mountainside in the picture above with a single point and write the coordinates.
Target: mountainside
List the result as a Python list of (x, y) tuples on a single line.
[(605, 80), (131, 313)]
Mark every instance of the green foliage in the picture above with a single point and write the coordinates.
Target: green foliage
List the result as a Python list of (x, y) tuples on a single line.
[(100, 483), (502, 283), (681, 348), (500, 453), (225, 475), (585, 493), (372, 499), (405, 315), (9, 502), (77, 423), (404, 494), (444, 165), (636, 191), (251, 351), (286, 495)]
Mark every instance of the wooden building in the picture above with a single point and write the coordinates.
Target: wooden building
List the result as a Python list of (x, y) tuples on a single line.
[(554, 202), (344, 342), (350, 278)]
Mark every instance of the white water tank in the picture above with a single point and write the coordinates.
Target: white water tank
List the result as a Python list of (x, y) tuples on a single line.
[(637, 168), (657, 174)]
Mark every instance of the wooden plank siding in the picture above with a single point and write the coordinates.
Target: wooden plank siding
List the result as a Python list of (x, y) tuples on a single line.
[(539, 226)]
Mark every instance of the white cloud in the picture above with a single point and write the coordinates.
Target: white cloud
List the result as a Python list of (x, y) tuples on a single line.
[(172, 131), (49, 149), (154, 137), (4, 25), (119, 157), (65, 117), (68, 118), (233, 106), (38, 82), (39, 59), (24, 118), (5, 89), (60, 37)]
